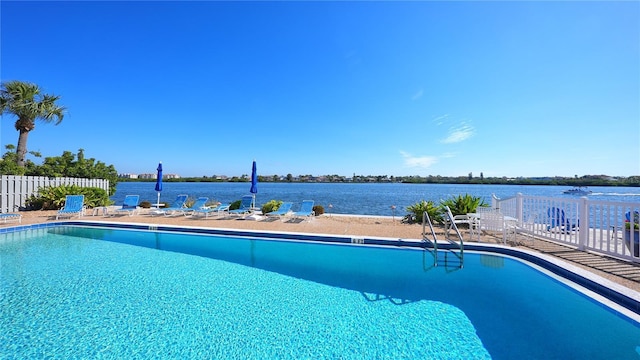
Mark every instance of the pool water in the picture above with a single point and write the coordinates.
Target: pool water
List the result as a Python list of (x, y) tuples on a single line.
[(70, 292)]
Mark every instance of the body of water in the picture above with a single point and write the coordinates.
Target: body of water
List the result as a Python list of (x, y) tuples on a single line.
[(356, 199)]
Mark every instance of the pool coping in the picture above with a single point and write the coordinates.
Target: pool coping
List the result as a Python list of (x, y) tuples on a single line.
[(618, 294)]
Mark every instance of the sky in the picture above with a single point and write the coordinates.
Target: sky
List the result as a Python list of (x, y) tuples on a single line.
[(501, 88)]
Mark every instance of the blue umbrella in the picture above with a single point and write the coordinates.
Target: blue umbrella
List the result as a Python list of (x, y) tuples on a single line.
[(159, 183), (254, 182)]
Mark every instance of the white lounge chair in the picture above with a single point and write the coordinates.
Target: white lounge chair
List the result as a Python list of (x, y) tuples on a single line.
[(496, 222), (456, 220)]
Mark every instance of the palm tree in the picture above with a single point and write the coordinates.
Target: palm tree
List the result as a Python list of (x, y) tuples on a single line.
[(25, 101)]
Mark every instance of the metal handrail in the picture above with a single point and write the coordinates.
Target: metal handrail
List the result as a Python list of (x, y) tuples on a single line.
[(455, 227), (427, 220)]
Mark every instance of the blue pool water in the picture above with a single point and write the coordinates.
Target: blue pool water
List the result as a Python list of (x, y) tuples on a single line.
[(72, 292)]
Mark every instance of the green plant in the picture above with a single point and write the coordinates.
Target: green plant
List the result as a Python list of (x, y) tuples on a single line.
[(53, 197), (463, 204), (145, 204), (189, 202), (28, 103), (271, 205), (318, 210), (235, 205), (417, 210)]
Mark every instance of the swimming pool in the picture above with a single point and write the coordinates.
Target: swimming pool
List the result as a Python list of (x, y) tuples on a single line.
[(83, 292)]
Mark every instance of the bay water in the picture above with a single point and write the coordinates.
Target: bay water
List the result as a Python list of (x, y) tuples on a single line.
[(357, 198)]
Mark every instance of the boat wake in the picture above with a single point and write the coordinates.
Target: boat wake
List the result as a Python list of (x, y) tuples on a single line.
[(615, 194)]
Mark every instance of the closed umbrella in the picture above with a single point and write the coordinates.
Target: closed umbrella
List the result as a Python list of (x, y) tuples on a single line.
[(254, 183), (159, 183)]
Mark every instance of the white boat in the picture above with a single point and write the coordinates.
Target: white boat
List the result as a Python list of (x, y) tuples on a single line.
[(578, 190)]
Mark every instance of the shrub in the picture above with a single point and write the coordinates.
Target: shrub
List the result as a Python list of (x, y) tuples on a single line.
[(318, 210), (635, 219), (462, 204), (189, 202), (235, 205), (417, 210), (271, 205), (53, 197), (145, 204)]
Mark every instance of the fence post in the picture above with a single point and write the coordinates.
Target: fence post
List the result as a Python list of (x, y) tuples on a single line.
[(495, 202), (583, 222), (519, 202)]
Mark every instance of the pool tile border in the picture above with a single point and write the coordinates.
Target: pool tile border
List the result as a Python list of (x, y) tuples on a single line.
[(578, 276)]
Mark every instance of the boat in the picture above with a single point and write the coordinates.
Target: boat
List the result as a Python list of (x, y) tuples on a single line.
[(578, 190)]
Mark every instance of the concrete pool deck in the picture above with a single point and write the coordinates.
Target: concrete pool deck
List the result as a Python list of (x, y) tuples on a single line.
[(621, 272)]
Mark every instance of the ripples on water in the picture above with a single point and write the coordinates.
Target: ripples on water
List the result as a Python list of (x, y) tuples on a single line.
[(358, 199)]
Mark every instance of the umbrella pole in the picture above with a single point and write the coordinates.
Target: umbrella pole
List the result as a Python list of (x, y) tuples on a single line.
[(158, 202)]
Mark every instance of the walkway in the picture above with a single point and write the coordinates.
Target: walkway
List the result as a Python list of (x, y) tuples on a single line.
[(619, 271)]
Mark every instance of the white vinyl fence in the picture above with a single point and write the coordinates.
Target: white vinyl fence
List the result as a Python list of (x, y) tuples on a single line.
[(588, 225), (15, 190)]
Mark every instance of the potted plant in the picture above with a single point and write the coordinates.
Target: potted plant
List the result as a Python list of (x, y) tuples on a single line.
[(631, 233)]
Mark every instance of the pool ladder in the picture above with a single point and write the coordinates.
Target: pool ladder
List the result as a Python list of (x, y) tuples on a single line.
[(455, 248)]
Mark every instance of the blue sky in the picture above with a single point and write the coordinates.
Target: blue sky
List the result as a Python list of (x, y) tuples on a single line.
[(371, 88)]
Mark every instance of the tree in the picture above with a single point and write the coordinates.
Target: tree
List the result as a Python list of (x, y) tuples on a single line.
[(26, 101), (9, 166)]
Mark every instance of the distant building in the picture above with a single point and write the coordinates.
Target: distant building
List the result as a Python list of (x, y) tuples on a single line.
[(148, 176), (171, 176), (128, 176)]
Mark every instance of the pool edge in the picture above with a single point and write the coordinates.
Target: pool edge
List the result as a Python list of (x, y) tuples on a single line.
[(617, 293)]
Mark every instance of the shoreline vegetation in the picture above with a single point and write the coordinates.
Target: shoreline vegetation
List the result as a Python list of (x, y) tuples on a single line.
[(587, 180)]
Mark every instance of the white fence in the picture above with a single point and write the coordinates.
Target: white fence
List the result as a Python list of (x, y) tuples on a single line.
[(15, 190), (589, 225)]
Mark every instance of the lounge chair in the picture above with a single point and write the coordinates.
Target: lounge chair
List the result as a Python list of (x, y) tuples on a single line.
[(73, 205), (282, 211), (474, 221), (200, 203), (245, 206), (129, 205), (451, 223), (177, 205), (494, 221), (558, 220), (306, 210), (6, 217), (218, 210)]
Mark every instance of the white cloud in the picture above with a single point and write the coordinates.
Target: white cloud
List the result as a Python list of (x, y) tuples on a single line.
[(423, 162), (459, 134), (417, 95), (440, 119)]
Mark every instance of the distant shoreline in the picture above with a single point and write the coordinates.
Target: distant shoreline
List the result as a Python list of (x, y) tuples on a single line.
[(632, 181)]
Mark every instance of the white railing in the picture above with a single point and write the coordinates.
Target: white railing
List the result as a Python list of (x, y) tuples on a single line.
[(15, 190), (588, 225)]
